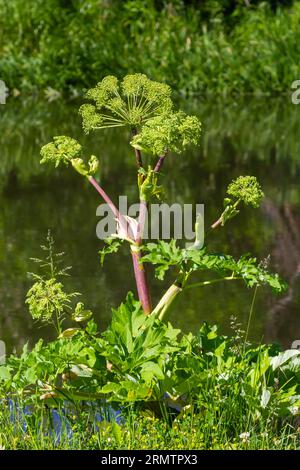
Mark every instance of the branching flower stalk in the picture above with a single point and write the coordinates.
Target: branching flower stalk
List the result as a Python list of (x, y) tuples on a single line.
[(157, 129), (146, 108)]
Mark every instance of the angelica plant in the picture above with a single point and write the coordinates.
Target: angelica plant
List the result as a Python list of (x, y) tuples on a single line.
[(145, 107), (157, 128)]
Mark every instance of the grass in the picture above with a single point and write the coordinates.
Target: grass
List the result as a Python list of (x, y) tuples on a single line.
[(145, 431)]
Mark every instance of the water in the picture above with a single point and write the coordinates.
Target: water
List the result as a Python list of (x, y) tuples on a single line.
[(250, 136)]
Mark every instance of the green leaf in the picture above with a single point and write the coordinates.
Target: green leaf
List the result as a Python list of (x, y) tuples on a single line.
[(283, 357), (111, 387), (151, 370), (112, 246), (165, 255), (69, 332), (81, 314), (265, 398), (5, 373)]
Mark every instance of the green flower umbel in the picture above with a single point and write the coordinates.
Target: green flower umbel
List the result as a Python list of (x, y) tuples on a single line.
[(62, 150), (131, 102), (164, 133), (66, 150), (246, 189)]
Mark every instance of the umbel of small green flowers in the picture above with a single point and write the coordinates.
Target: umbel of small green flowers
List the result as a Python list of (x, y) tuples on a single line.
[(129, 102), (164, 133), (245, 189), (66, 150)]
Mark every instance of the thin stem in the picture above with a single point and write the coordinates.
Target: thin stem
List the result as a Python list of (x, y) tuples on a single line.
[(250, 315), (119, 217), (111, 118), (57, 323), (108, 126), (121, 113), (138, 155), (159, 163), (213, 281), (216, 223), (170, 295)]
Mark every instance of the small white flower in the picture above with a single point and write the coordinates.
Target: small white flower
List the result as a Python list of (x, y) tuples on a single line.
[(245, 436), (295, 410), (223, 376), (109, 439)]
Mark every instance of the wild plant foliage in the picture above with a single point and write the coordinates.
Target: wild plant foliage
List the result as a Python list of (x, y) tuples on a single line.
[(140, 359)]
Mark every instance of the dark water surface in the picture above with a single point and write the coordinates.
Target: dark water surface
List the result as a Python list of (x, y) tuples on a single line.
[(250, 136)]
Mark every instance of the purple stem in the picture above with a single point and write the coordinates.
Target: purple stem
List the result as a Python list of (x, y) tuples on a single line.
[(142, 219), (159, 163), (216, 224), (141, 282), (119, 217), (139, 270)]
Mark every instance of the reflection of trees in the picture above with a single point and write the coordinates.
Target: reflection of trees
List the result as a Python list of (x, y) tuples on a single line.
[(282, 315), (237, 131), (234, 134)]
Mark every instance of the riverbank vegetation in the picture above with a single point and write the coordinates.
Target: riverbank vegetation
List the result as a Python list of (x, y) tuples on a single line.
[(141, 383), (217, 47)]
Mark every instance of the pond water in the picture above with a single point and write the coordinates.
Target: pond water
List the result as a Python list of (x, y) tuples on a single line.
[(250, 136)]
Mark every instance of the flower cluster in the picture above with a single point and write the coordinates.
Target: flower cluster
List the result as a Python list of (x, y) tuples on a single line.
[(131, 101), (62, 150), (246, 189), (165, 133), (66, 150), (45, 298)]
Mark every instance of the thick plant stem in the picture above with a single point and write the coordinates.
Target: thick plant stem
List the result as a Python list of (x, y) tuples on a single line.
[(143, 212), (141, 281), (139, 268)]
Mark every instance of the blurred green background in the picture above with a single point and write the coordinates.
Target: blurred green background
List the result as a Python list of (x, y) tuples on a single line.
[(229, 46)]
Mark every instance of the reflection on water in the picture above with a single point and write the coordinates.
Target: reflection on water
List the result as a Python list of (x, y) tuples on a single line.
[(251, 137)]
